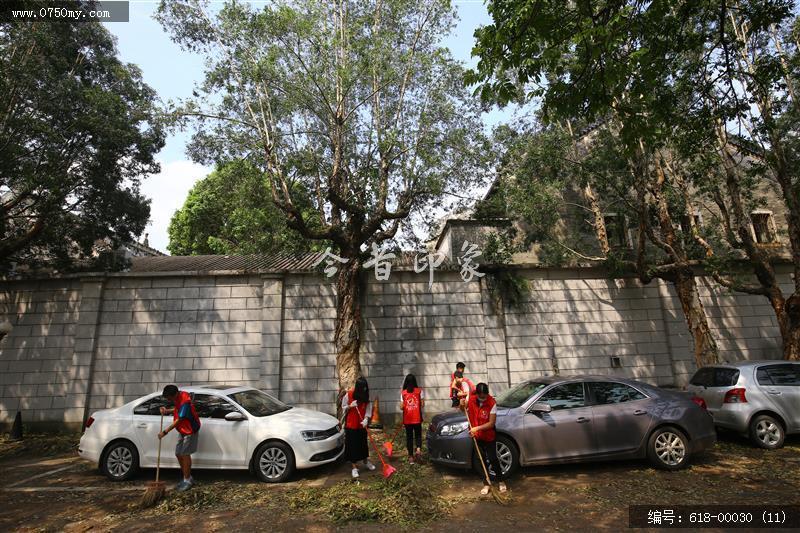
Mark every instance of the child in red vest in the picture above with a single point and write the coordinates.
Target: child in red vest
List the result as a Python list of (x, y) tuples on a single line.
[(460, 367), (463, 387), (358, 411), (412, 400), (482, 412)]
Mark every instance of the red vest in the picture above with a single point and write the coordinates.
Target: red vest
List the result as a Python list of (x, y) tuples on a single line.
[(355, 414), (412, 406), (189, 423), (479, 415)]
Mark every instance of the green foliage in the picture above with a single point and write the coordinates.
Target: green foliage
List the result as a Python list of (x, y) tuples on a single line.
[(353, 106), (506, 286), (77, 134), (230, 212), (409, 498)]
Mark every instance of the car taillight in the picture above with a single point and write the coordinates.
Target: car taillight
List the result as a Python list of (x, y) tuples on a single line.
[(699, 401), (735, 396), (89, 422)]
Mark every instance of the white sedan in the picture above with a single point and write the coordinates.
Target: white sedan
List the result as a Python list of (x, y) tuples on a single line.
[(242, 428)]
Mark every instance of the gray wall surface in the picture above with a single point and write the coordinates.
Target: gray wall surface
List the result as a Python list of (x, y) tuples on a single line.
[(82, 344)]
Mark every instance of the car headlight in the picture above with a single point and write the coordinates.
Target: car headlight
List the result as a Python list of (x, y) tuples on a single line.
[(453, 429), (316, 435)]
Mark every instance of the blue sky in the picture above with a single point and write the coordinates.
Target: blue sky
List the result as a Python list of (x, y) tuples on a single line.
[(173, 74)]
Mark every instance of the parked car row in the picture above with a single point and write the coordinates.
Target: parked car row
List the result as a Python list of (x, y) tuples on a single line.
[(547, 420)]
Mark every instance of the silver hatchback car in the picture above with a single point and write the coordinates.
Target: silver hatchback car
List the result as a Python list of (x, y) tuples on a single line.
[(756, 398)]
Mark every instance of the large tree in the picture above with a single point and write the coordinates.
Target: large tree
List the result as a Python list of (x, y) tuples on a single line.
[(230, 212), (583, 61), (356, 102), (673, 78), (76, 136)]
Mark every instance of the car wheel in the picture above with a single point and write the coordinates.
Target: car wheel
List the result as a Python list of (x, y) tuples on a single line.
[(668, 449), (766, 432), (120, 461), (507, 454), (274, 462)]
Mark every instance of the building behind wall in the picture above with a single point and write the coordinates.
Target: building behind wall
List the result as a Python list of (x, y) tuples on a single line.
[(85, 342)]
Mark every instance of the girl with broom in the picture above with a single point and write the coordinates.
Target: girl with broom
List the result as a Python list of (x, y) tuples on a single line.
[(482, 413), (412, 400), (358, 411)]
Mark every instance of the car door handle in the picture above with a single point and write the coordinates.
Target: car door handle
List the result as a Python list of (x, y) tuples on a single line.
[(774, 392), (640, 412), (142, 425), (582, 420)]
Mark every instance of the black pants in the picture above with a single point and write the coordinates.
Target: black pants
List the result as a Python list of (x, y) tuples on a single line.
[(489, 453), (413, 433)]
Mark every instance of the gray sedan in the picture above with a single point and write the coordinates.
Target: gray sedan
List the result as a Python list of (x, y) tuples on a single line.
[(581, 418)]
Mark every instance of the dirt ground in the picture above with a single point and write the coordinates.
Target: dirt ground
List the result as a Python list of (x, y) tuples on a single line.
[(44, 486)]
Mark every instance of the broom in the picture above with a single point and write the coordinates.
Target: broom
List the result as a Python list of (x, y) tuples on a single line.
[(498, 496), (388, 469), (155, 489), (388, 446)]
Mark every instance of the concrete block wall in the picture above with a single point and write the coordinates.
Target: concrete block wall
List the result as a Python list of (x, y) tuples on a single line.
[(176, 329), (576, 321), (36, 358), (413, 328), (79, 344), (308, 358)]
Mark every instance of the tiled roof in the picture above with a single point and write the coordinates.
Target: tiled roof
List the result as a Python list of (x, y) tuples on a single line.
[(248, 263), (241, 263)]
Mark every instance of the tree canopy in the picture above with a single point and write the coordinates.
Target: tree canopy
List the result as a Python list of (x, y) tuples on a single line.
[(77, 134), (230, 212)]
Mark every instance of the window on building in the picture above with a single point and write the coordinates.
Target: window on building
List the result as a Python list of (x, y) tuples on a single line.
[(763, 227), (616, 230), (686, 225)]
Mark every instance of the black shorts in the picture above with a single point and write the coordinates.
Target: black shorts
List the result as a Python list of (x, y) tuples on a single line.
[(456, 401)]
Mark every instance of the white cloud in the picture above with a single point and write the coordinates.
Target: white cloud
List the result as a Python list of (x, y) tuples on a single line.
[(168, 190)]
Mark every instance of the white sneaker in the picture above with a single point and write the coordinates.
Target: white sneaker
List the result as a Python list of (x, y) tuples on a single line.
[(355, 473), (369, 465)]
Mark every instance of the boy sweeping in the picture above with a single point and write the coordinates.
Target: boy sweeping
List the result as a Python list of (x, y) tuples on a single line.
[(187, 423)]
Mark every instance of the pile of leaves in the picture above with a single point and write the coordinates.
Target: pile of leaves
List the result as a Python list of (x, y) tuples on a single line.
[(219, 495), (412, 496), (39, 444)]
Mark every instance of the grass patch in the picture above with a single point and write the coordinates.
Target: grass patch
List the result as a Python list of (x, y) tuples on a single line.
[(39, 444)]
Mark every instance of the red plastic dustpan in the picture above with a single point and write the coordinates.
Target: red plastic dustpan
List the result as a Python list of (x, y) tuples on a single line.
[(388, 470)]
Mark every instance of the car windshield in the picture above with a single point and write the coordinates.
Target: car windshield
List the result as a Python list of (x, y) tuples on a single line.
[(518, 394), (259, 403)]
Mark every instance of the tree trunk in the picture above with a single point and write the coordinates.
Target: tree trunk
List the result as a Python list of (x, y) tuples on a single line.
[(599, 222), (347, 334), (787, 312), (705, 347)]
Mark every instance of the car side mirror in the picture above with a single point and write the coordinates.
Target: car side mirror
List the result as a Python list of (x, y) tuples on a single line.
[(235, 416), (540, 407)]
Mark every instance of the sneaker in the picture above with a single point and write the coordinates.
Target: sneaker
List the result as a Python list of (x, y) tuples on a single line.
[(183, 486), (369, 465), (354, 473), (503, 487), (485, 490), (411, 460)]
